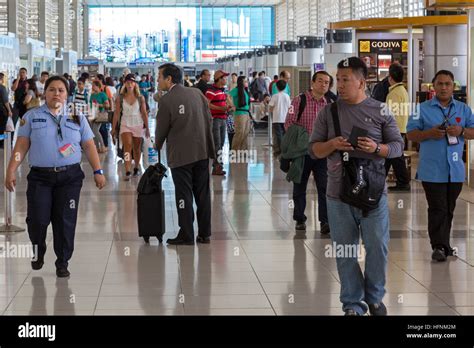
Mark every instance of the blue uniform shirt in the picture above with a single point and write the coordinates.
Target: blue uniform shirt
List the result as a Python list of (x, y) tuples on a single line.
[(440, 162), (45, 142)]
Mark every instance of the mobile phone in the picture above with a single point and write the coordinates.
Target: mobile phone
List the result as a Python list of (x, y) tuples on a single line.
[(357, 132)]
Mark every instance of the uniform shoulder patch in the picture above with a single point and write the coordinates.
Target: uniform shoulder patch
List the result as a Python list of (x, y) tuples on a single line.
[(22, 122)]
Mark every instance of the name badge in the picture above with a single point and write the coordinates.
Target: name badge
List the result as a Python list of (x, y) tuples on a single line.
[(67, 150), (452, 140), (39, 120)]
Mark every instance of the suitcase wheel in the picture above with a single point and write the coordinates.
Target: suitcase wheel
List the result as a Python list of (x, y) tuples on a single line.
[(146, 239)]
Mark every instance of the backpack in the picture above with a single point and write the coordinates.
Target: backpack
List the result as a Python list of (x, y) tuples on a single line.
[(363, 180)]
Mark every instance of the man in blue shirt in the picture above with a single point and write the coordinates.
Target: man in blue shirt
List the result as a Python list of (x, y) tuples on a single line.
[(441, 126)]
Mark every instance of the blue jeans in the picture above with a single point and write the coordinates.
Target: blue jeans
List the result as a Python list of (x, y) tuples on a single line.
[(219, 129), (357, 289)]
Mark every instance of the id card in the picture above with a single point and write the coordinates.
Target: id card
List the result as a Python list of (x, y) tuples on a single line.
[(66, 150), (452, 140)]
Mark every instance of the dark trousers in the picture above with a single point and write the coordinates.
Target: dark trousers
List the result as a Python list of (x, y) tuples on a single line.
[(230, 137), (399, 167), (104, 133), (319, 169), (278, 133), (54, 197), (192, 180), (441, 199)]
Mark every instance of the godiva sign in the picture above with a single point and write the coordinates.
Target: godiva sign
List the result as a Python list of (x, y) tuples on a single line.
[(383, 46)]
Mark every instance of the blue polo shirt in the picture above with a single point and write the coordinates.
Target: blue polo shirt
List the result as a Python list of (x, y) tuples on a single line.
[(440, 162), (45, 142)]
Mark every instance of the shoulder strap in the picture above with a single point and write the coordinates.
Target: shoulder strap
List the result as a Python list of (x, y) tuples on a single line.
[(335, 119), (302, 106)]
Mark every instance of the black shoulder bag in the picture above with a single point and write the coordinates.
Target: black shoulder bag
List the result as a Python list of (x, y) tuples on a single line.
[(363, 180)]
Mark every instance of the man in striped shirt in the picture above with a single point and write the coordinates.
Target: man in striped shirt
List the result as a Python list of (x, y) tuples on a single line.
[(219, 108), (315, 101)]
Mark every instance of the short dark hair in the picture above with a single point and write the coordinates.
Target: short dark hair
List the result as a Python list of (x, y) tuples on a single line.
[(44, 73), (233, 74), (281, 85), (85, 75), (202, 72), (443, 72), (356, 64), (322, 72), (254, 74), (174, 71), (81, 79), (56, 78), (396, 72), (65, 75), (261, 73), (2, 75), (283, 73), (275, 77), (24, 69)]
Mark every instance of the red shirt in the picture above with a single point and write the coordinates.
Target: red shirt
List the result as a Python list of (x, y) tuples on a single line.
[(309, 115), (217, 97)]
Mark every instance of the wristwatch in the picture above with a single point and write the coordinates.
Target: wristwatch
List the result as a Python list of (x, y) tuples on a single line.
[(462, 132), (99, 171), (377, 149)]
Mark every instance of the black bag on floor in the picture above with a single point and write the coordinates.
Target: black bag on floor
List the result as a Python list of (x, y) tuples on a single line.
[(151, 202)]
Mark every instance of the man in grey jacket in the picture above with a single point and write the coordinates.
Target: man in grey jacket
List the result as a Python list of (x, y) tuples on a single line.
[(184, 121)]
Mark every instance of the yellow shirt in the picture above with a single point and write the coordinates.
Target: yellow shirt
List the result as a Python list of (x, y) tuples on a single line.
[(397, 101)]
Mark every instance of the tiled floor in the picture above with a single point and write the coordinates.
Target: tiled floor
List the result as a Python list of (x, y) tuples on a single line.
[(256, 264)]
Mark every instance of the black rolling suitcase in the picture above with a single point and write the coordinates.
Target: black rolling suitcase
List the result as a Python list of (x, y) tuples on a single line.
[(151, 203)]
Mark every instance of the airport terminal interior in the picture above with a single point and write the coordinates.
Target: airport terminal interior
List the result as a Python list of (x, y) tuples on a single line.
[(259, 260)]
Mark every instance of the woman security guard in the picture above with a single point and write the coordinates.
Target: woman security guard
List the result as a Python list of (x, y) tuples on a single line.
[(54, 140)]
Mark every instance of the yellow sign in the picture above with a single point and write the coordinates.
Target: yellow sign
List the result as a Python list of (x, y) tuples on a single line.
[(364, 46), (404, 46)]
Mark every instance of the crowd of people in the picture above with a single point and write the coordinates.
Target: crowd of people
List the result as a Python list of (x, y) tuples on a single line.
[(313, 133)]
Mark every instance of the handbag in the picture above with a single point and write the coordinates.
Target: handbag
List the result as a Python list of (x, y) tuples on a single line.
[(102, 117), (33, 103), (363, 180)]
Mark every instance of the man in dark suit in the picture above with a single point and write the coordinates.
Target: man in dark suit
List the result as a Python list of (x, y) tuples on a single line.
[(184, 121), (203, 83)]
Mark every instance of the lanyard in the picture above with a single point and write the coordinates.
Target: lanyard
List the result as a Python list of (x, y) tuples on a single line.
[(57, 120), (447, 117)]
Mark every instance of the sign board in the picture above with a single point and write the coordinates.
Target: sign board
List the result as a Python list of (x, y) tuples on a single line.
[(383, 46)]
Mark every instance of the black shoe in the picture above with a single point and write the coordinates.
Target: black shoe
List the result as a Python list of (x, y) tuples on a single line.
[(350, 313), (62, 272), (128, 175), (438, 255), (179, 241), (300, 226), (397, 188), (146, 239), (325, 228), (203, 240), (38, 264), (378, 309), (136, 171)]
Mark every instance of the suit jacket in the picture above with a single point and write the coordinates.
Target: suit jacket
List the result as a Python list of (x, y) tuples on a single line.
[(184, 121)]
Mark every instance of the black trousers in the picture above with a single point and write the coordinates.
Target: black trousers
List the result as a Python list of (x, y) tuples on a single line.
[(192, 180), (399, 168), (54, 197), (319, 169), (441, 199)]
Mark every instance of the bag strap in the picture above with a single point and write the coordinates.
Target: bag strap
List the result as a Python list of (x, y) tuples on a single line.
[(335, 119), (302, 106)]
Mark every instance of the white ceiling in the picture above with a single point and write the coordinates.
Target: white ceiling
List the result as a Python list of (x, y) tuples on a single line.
[(182, 2)]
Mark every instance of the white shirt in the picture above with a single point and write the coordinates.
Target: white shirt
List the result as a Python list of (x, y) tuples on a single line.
[(281, 104), (131, 116), (40, 87)]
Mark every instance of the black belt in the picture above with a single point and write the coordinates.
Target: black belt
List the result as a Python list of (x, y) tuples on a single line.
[(56, 169)]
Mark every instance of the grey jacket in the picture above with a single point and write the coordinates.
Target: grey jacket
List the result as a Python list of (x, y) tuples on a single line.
[(184, 121)]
